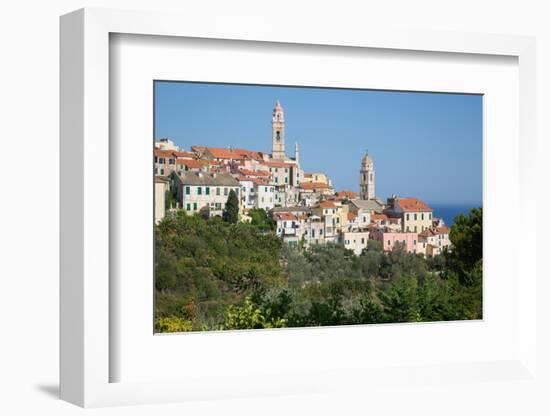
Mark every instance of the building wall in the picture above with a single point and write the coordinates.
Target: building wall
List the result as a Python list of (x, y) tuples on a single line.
[(416, 221), (200, 196), (355, 241), (160, 192), (264, 196), (389, 240)]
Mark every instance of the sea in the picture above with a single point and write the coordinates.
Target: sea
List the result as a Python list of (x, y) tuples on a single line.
[(449, 211)]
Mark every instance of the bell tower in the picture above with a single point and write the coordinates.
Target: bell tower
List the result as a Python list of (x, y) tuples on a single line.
[(278, 132), (366, 178)]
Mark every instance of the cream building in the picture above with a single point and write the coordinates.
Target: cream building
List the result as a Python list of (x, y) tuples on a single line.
[(161, 186), (355, 240), (202, 192), (415, 215)]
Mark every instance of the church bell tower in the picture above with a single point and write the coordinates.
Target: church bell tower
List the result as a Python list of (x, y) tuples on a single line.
[(278, 132), (366, 177)]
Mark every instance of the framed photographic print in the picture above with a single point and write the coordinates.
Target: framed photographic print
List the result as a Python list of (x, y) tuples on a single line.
[(249, 238), (280, 214)]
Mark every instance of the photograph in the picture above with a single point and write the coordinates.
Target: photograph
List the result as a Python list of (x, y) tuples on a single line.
[(293, 207)]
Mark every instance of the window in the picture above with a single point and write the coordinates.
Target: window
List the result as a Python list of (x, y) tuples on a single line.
[(286, 170), (414, 242), (225, 192), (162, 172), (171, 161), (187, 190), (389, 242), (199, 190), (415, 217), (218, 191), (278, 135), (422, 216), (362, 240), (266, 188), (286, 179), (162, 161), (218, 205), (407, 217), (276, 179), (188, 207), (430, 215), (194, 206), (207, 190), (415, 228), (321, 232)]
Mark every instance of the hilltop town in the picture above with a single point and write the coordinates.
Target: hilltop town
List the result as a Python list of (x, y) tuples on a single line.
[(305, 207)]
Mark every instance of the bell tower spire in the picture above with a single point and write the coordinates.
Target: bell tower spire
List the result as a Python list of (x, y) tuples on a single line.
[(278, 132)]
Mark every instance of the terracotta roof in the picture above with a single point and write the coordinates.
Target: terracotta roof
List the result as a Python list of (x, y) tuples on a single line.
[(378, 217), (313, 185), (326, 204), (346, 194), (184, 155), (253, 172), (221, 153), (165, 153), (286, 216), (442, 230), (250, 154), (308, 175), (413, 205), (352, 216)]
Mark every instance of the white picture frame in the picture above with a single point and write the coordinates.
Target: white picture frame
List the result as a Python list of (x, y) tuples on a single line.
[(87, 355)]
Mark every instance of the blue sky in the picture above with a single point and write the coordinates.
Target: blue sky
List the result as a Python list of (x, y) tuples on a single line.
[(423, 144)]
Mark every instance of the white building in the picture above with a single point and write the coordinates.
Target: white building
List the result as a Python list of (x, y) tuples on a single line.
[(201, 192), (355, 240)]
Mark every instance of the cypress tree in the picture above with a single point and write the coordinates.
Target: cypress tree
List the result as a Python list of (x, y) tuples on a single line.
[(231, 211)]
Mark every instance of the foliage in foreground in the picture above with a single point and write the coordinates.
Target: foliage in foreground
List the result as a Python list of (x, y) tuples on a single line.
[(213, 275)]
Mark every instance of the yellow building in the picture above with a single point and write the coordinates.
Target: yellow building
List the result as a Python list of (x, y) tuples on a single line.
[(415, 215)]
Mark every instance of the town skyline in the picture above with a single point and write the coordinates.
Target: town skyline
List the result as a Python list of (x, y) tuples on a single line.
[(223, 115)]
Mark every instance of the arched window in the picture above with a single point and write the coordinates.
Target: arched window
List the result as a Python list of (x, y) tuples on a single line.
[(278, 137)]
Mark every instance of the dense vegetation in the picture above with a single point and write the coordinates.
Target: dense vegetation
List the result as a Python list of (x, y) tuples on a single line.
[(215, 274)]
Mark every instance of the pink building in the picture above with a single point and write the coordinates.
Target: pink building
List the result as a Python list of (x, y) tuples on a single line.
[(390, 238)]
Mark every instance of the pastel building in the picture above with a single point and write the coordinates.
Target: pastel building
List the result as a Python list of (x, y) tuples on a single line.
[(355, 240), (204, 192), (390, 239), (415, 215)]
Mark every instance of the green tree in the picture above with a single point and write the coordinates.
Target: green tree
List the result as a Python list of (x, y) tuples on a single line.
[(261, 219), (231, 211), (249, 316), (467, 244)]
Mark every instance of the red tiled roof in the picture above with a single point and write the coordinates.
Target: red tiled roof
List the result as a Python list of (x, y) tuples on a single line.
[(379, 217), (184, 155), (346, 194), (313, 185), (352, 216), (413, 205), (221, 153), (253, 172), (286, 216), (442, 230), (326, 204), (165, 153)]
